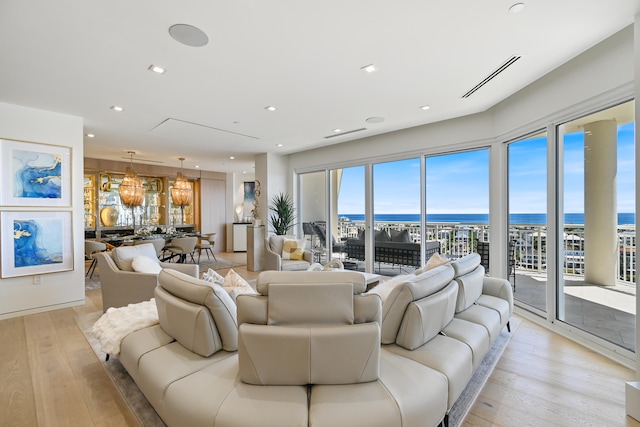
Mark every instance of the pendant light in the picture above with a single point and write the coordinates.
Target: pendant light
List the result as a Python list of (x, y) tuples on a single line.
[(131, 188), (181, 192)]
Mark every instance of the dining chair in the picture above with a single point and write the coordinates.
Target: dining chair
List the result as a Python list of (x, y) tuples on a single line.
[(91, 247), (181, 247), (206, 244)]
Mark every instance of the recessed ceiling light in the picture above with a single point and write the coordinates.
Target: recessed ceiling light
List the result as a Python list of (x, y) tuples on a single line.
[(517, 7), (197, 166), (117, 108), (157, 69), (369, 68), (188, 35), (231, 158), (279, 145), (270, 108), (90, 135), (425, 107), (336, 130), (375, 120), (244, 171)]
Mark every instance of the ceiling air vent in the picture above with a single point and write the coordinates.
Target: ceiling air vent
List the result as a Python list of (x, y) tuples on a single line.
[(509, 62), (345, 133)]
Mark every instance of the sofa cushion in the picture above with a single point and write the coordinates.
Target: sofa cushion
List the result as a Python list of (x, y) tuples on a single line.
[(401, 236), (293, 249), (210, 295), (265, 278), (382, 236), (436, 260), (190, 324), (124, 255), (466, 264), (298, 355), (235, 285), (470, 288), (425, 318), (311, 303), (144, 264), (414, 288)]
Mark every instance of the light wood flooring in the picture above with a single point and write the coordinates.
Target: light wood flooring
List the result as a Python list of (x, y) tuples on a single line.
[(50, 376)]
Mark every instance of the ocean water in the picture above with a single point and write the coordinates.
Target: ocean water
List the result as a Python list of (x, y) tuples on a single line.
[(530, 218)]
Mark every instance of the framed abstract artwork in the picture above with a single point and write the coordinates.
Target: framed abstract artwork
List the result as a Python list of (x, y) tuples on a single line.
[(34, 174), (35, 243)]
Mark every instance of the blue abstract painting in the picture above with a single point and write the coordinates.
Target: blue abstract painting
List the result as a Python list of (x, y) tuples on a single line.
[(37, 175), (37, 242), (34, 174)]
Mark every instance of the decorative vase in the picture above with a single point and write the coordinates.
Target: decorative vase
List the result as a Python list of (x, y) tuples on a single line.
[(109, 216)]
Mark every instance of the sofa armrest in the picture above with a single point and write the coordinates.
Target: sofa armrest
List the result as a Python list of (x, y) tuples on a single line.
[(272, 260), (308, 256), (499, 288), (192, 270)]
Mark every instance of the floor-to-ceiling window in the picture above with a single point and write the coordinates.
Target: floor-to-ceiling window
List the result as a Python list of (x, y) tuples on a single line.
[(457, 201), (527, 200), (396, 208), (312, 211), (348, 212), (596, 242)]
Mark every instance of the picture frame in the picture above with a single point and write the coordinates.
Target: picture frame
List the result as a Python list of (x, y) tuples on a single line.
[(35, 243), (34, 174)]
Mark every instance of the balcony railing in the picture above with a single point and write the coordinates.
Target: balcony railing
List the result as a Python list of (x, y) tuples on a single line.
[(530, 241)]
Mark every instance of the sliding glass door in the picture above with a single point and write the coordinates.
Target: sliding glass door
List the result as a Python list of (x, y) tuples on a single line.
[(597, 265), (527, 196)]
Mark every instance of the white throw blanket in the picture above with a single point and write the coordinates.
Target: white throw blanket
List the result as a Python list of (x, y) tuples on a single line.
[(111, 328)]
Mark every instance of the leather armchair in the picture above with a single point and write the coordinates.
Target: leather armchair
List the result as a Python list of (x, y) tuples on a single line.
[(123, 286)]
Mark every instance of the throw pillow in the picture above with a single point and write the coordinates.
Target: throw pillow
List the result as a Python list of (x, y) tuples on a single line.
[(235, 285), (436, 260), (213, 276), (144, 264), (293, 249)]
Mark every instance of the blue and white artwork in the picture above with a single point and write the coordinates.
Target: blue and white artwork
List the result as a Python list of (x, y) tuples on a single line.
[(35, 243), (36, 174)]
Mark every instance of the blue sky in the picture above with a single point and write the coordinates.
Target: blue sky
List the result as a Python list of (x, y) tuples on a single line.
[(458, 183)]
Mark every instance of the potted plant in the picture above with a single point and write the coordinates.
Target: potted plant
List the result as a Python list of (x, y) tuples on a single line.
[(283, 213)]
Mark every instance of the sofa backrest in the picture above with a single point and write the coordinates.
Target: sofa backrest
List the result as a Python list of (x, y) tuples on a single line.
[(403, 293), (309, 328), (199, 315), (470, 276), (426, 317)]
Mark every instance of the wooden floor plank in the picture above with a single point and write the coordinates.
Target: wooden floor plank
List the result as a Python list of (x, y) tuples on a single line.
[(59, 400), (17, 402), (545, 379)]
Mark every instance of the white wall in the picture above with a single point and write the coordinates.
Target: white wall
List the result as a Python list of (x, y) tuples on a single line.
[(20, 296)]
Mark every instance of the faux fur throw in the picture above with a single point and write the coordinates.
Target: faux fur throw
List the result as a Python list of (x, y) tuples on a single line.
[(117, 323)]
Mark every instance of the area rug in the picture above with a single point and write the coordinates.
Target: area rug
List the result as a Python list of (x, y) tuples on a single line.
[(93, 282), (141, 408), (148, 417), (481, 375)]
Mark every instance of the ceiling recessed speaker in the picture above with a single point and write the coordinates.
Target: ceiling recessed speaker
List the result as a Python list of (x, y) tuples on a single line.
[(188, 35)]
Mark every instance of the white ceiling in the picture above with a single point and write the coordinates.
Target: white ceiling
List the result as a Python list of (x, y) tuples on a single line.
[(81, 57)]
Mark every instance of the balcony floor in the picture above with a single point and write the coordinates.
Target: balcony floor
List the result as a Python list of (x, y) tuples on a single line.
[(605, 311)]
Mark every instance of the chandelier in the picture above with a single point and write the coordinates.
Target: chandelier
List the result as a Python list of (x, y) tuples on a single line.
[(131, 188), (181, 192)]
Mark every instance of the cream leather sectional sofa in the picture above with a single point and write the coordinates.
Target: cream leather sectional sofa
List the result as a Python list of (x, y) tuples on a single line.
[(313, 349)]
